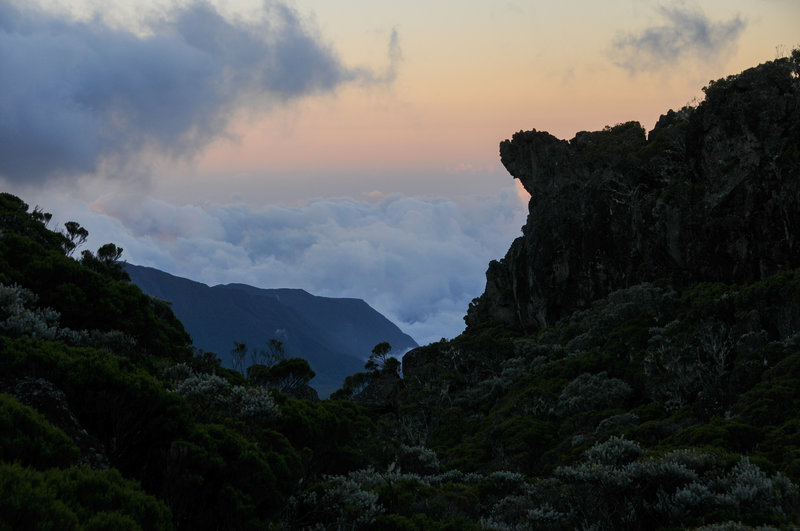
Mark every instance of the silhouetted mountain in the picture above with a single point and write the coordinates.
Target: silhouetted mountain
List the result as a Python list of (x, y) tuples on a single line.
[(335, 335), (706, 196)]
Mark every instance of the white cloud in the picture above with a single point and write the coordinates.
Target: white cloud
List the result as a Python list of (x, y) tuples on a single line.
[(83, 94), (419, 261)]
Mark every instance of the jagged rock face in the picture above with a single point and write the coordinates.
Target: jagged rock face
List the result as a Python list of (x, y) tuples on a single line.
[(711, 194)]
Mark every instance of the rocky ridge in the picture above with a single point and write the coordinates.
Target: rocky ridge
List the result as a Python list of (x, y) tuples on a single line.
[(712, 193)]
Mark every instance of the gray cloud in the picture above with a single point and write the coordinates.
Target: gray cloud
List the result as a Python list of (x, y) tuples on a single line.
[(685, 34), (77, 93), (420, 261)]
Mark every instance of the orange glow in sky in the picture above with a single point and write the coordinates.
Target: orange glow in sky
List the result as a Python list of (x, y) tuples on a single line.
[(475, 72), (470, 74)]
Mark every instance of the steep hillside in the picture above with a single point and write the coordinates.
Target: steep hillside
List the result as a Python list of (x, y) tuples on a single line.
[(334, 335)]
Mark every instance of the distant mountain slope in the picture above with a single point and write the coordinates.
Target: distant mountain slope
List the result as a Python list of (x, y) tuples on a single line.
[(334, 335)]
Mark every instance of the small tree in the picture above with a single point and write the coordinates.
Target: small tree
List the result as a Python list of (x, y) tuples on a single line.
[(260, 360), (106, 262), (377, 359), (291, 374), (39, 215), (380, 361), (76, 236), (353, 385), (273, 355), (109, 254), (238, 355)]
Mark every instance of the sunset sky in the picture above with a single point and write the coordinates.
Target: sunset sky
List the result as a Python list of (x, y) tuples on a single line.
[(349, 148)]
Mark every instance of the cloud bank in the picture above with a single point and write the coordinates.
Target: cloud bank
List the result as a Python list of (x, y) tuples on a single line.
[(419, 261), (78, 94), (686, 34)]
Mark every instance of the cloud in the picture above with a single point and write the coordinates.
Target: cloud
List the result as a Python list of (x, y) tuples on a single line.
[(395, 54), (419, 261), (78, 94), (685, 34)]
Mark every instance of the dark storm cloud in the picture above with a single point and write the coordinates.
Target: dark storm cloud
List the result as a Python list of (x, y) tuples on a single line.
[(76, 93), (685, 34)]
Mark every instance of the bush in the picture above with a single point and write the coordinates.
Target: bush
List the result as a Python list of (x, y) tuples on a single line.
[(213, 398), (217, 479), (76, 498), (27, 437), (592, 392), (125, 408)]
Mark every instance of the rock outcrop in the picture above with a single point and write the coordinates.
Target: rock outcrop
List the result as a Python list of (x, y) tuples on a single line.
[(712, 193)]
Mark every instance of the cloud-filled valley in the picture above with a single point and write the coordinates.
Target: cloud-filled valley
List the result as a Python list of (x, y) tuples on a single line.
[(182, 130), (419, 261)]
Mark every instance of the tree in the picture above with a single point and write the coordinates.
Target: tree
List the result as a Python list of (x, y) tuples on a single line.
[(380, 360), (238, 355), (76, 235), (353, 385), (40, 215), (109, 254), (290, 374), (106, 262), (273, 355)]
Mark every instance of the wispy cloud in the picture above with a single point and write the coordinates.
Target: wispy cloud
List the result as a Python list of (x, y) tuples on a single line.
[(685, 34), (78, 93), (420, 261)]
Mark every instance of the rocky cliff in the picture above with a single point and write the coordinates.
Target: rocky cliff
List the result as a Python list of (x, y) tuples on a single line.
[(712, 193)]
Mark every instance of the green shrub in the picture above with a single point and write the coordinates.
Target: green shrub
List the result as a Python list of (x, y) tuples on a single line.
[(591, 392), (27, 437), (75, 498), (125, 408), (217, 479)]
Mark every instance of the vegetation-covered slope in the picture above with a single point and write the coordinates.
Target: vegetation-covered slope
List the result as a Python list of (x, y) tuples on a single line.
[(668, 400), (110, 420)]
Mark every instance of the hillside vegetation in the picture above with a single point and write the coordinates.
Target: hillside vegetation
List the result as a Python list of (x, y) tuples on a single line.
[(657, 393)]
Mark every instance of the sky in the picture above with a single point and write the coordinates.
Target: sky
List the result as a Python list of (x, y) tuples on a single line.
[(348, 148)]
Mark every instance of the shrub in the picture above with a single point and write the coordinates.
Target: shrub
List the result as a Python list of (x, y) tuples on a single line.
[(76, 498), (27, 437), (213, 398), (616, 451), (591, 392)]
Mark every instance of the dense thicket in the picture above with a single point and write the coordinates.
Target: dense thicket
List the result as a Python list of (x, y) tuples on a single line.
[(668, 403), (101, 387)]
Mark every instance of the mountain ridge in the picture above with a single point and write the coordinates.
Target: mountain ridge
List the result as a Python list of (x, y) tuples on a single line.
[(334, 334)]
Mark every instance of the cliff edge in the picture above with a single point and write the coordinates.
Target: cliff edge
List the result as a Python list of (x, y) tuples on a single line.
[(712, 193)]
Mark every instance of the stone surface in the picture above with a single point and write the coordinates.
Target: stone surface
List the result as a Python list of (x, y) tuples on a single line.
[(712, 193)]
